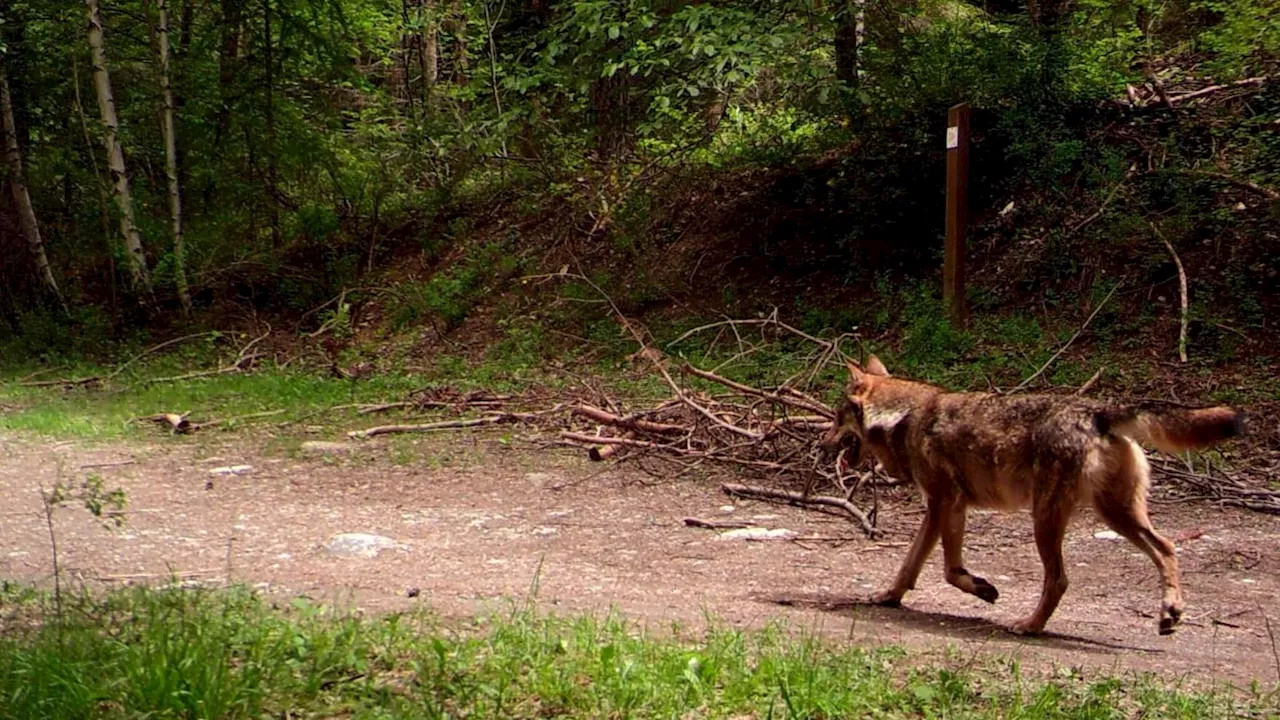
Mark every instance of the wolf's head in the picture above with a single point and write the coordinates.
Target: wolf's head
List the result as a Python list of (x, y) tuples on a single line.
[(849, 430)]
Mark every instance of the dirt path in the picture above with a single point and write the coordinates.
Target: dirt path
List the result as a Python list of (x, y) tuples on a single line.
[(478, 520)]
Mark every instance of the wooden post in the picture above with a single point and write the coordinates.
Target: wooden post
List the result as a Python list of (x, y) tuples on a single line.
[(957, 212)]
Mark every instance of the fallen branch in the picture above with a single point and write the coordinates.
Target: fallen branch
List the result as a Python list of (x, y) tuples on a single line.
[(772, 320), (597, 454), (428, 427), (608, 418), (800, 499), (1093, 379), (495, 419), (1105, 202), (1182, 291), (237, 418), (93, 379), (717, 524), (117, 463), (802, 402), (1232, 180), (176, 575), (1066, 345), (1247, 82), (243, 358)]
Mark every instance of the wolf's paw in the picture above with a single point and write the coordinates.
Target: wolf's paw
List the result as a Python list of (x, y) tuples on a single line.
[(1027, 626), (1170, 616), (887, 598), (985, 590)]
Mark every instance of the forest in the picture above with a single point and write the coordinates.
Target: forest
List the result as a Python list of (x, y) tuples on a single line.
[(170, 160), (551, 301)]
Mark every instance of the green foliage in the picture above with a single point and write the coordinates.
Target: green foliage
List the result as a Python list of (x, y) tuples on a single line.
[(930, 342), (450, 295), (314, 150), (1245, 36), (228, 655)]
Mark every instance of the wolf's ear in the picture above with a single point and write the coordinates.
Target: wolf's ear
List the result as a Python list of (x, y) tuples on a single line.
[(855, 373), (875, 367)]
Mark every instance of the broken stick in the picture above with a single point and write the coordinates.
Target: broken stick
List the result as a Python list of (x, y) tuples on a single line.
[(800, 499)]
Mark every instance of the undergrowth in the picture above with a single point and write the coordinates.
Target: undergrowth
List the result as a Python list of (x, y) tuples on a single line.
[(556, 349), (173, 653)]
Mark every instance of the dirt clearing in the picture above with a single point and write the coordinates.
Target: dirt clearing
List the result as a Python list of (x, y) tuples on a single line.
[(474, 521)]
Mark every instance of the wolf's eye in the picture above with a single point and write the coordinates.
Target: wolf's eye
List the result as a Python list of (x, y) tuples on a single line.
[(851, 412)]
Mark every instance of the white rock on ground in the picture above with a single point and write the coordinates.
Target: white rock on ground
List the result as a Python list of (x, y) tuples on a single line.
[(231, 470), (360, 545)]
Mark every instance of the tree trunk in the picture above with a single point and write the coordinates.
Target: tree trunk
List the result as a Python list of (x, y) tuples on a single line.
[(171, 159), (431, 50), (232, 14), (180, 55), (409, 44), (1048, 16), (273, 184), (21, 197), (104, 200), (138, 273), (850, 34), (458, 28)]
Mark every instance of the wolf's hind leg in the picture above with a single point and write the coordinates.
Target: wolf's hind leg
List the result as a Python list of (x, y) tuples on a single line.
[(952, 530), (1122, 506)]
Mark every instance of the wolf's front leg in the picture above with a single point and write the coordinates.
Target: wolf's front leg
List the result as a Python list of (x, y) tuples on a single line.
[(926, 540), (1051, 528), (952, 530)]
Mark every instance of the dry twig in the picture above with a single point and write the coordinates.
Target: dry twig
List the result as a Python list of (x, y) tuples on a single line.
[(1182, 291), (1068, 343)]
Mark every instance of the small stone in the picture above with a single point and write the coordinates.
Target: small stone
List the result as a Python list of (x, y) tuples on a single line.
[(1107, 535), (727, 508), (539, 479), (361, 545), (231, 470), (413, 592), (323, 447)]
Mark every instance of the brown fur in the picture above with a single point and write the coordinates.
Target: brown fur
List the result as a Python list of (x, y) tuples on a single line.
[(1045, 453)]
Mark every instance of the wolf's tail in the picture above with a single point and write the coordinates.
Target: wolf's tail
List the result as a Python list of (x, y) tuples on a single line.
[(1173, 429)]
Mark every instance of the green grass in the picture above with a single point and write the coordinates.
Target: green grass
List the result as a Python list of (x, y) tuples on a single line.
[(228, 654), (105, 413)]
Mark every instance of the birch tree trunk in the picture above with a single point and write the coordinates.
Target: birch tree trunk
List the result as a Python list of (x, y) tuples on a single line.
[(21, 197), (171, 159), (138, 274)]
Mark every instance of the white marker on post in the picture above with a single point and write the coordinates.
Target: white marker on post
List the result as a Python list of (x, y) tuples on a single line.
[(953, 137)]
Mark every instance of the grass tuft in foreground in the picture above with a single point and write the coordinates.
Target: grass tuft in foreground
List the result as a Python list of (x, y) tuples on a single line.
[(229, 654)]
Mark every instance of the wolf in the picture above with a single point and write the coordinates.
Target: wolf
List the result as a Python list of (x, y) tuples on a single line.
[(1045, 453)]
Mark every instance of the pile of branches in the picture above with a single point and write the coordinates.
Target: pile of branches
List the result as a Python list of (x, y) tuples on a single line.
[(1219, 486), (765, 435)]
